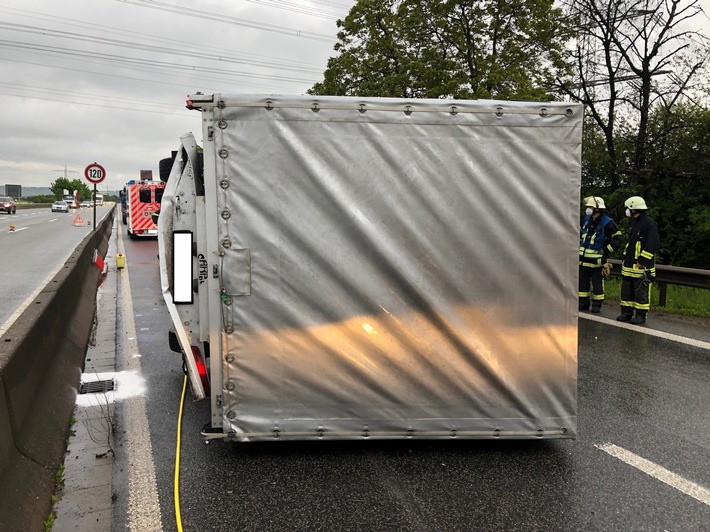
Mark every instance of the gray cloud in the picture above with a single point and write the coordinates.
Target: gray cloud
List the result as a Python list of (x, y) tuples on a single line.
[(107, 80)]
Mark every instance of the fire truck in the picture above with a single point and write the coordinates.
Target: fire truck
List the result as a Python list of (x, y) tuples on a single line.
[(142, 206)]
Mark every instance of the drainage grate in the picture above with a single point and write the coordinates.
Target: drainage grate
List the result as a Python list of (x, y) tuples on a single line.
[(96, 386)]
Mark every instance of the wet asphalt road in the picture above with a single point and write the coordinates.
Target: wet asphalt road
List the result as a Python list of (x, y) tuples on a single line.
[(39, 246), (646, 395)]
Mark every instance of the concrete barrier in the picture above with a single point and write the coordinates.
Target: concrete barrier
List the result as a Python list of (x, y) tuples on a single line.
[(41, 359)]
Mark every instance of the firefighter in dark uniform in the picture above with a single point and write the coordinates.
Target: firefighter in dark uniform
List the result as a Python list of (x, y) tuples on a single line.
[(599, 237), (639, 268)]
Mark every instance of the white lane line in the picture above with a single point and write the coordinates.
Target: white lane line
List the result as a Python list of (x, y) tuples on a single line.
[(53, 220), (696, 491), (650, 332), (17, 230), (143, 504)]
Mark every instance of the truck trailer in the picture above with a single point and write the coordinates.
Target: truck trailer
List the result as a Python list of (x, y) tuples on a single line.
[(376, 268)]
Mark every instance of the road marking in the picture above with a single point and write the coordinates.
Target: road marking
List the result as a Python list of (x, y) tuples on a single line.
[(696, 491), (18, 229), (53, 220), (143, 504), (650, 332)]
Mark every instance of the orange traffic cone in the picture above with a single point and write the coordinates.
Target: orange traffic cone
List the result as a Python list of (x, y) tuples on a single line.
[(78, 221), (12, 228)]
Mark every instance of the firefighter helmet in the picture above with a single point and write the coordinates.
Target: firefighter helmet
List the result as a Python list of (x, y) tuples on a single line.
[(595, 202), (635, 203)]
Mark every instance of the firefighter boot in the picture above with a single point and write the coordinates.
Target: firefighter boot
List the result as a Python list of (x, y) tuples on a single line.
[(583, 303), (640, 318), (596, 307), (625, 315)]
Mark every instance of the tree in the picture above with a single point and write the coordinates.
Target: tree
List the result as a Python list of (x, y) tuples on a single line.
[(57, 187), (454, 48), (631, 56)]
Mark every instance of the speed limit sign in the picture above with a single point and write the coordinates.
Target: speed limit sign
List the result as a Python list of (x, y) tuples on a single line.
[(95, 173)]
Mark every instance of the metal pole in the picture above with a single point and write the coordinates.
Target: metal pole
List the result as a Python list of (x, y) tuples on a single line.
[(94, 202)]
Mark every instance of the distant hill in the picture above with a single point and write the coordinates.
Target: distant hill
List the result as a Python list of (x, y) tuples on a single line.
[(43, 191), (30, 191)]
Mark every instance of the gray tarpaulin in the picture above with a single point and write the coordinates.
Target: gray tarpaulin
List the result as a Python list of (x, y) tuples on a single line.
[(398, 274)]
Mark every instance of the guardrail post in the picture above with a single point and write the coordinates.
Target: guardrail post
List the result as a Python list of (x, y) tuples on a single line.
[(662, 289)]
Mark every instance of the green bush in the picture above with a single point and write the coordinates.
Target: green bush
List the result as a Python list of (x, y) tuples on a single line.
[(679, 299)]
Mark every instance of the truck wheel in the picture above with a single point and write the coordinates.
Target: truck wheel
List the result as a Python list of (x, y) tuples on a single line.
[(131, 235), (164, 167)]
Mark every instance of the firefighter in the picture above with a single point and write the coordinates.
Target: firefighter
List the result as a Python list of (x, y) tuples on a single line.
[(638, 269), (599, 236)]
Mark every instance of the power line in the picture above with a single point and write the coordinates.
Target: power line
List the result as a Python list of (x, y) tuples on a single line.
[(297, 8), (152, 48), (199, 47), (138, 61), (206, 15), (200, 79)]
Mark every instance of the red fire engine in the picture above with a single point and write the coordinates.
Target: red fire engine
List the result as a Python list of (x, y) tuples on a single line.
[(142, 206)]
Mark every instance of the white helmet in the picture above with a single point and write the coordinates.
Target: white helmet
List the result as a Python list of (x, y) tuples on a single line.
[(635, 203), (595, 202)]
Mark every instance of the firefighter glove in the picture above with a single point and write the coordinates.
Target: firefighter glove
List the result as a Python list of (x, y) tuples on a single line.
[(606, 269)]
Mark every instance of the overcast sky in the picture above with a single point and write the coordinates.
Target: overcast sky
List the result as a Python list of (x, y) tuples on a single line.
[(106, 81)]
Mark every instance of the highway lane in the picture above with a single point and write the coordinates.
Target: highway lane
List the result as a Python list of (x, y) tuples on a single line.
[(31, 255), (640, 463)]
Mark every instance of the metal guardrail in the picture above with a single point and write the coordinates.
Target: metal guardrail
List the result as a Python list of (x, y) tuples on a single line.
[(666, 275)]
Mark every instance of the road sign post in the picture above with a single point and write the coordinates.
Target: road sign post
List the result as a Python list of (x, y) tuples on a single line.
[(94, 173)]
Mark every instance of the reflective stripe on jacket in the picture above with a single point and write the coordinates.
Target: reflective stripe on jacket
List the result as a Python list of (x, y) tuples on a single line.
[(597, 239), (641, 248)]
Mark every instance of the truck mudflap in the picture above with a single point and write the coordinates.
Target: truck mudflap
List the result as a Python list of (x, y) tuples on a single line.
[(176, 226)]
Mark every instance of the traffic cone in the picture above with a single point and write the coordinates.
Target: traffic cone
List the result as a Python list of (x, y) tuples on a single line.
[(78, 221), (12, 228)]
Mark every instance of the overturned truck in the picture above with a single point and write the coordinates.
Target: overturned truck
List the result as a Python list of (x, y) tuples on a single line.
[(364, 268)]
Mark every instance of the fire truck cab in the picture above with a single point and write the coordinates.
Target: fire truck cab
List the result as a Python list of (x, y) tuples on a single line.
[(142, 207)]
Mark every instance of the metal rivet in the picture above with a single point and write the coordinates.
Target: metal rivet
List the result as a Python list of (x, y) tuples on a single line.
[(568, 112), (407, 110), (222, 124), (410, 433), (315, 108), (226, 243), (563, 430), (452, 433), (496, 433), (229, 358), (499, 111), (229, 329), (226, 214), (224, 183), (231, 414), (223, 153), (230, 386), (365, 432), (454, 110), (540, 433), (221, 104), (277, 433), (543, 112), (361, 108), (269, 107), (232, 434), (320, 432)]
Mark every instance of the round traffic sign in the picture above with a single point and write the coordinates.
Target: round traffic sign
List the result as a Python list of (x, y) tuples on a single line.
[(95, 173)]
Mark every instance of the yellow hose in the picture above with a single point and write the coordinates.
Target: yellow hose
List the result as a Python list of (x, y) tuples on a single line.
[(176, 494)]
